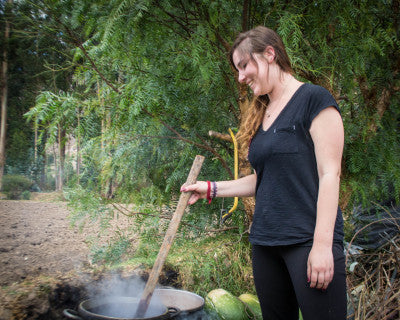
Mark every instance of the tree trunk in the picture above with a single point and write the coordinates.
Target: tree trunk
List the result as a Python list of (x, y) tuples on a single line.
[(61, 153), (245, 14), (78, 149), (56, 168), (43, 172), (109, 184), (4, 94), (36, 140), (244, 165), (42, 163), (106, 188), (60, 170)]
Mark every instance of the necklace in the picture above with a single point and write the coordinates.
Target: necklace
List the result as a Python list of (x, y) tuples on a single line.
[(269, 113)]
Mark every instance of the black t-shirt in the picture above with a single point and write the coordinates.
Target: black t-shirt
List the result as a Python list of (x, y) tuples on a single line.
[(287, 177)]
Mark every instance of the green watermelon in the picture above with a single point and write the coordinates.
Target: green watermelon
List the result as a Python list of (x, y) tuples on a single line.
[(252, 305), (223, 305)]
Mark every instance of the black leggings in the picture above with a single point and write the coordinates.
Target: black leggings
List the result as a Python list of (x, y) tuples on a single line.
[(280, 276)]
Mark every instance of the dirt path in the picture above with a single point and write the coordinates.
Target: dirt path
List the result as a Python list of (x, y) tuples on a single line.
[(36, 238), (45, 263)]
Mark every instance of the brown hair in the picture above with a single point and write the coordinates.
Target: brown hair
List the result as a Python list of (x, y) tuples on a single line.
[(248, 43)]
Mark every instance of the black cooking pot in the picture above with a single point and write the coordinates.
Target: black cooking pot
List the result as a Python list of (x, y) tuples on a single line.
[(118, 308)]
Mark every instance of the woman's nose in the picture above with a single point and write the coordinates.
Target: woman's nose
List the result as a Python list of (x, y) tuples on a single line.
[(241, 77)]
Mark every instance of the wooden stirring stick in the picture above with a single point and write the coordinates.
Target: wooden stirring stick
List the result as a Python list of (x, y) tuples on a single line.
[(168, 239)]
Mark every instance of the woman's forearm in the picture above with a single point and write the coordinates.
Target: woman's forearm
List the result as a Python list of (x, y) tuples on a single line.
[(328, 197), (243, 187)]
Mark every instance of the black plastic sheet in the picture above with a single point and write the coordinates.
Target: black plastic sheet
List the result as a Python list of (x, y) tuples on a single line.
[(376, 226)]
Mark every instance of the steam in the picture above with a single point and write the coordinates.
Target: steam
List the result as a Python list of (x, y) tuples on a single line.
[(115, 296), (114, 285)]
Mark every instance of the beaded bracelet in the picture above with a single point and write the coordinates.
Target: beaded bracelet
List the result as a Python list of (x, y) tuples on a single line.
[(214, 195)]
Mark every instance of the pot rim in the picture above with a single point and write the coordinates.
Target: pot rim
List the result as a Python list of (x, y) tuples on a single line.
[(83, 308), (200, 301)]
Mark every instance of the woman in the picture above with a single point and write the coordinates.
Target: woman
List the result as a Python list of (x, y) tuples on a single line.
[(294, 134)]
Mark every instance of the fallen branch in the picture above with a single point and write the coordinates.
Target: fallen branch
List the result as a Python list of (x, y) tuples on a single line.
[(374, 285), (219, 135)]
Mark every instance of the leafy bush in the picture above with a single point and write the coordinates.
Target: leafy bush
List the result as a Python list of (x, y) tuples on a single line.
[(26, 195), (15, 185)]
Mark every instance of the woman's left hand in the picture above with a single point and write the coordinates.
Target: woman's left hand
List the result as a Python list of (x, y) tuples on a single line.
[(320, 266)]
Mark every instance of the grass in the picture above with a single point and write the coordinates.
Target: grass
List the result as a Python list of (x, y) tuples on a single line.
[(54, 196), (204, 263)]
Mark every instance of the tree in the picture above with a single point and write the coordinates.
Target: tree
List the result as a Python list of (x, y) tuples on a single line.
[(56, 114), (36, 62), (165, 82), (4, 94)]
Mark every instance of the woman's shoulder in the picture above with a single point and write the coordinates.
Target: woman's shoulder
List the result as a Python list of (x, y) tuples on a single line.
[(316, 98), (315, 89), (317, 95)]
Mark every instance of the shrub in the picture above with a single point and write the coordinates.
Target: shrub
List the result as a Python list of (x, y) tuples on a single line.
[(15, 185), (26, 195)]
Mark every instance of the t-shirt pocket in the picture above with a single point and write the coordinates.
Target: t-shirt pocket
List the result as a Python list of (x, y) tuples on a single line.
[(285, 140)]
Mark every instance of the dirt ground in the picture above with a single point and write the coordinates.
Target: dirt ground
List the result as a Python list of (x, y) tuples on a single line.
[(36, 239), (41, 257)]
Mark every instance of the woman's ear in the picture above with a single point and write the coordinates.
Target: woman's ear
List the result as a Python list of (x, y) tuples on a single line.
[(269, 54)]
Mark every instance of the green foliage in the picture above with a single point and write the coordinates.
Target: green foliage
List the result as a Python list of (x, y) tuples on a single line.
[(26, 195), (19, 152), (204, 263), (221, 261), (15, 186), (110, 253), (54, 113), (372, 163), (169, 65), (87, 207)]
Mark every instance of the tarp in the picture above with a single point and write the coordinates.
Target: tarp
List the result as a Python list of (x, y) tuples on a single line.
[(376, 226)]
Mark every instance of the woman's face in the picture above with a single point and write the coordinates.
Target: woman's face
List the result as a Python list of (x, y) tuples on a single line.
[(253, 72)]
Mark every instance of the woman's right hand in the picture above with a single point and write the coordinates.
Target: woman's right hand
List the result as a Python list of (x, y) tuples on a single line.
[(199, 191)]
